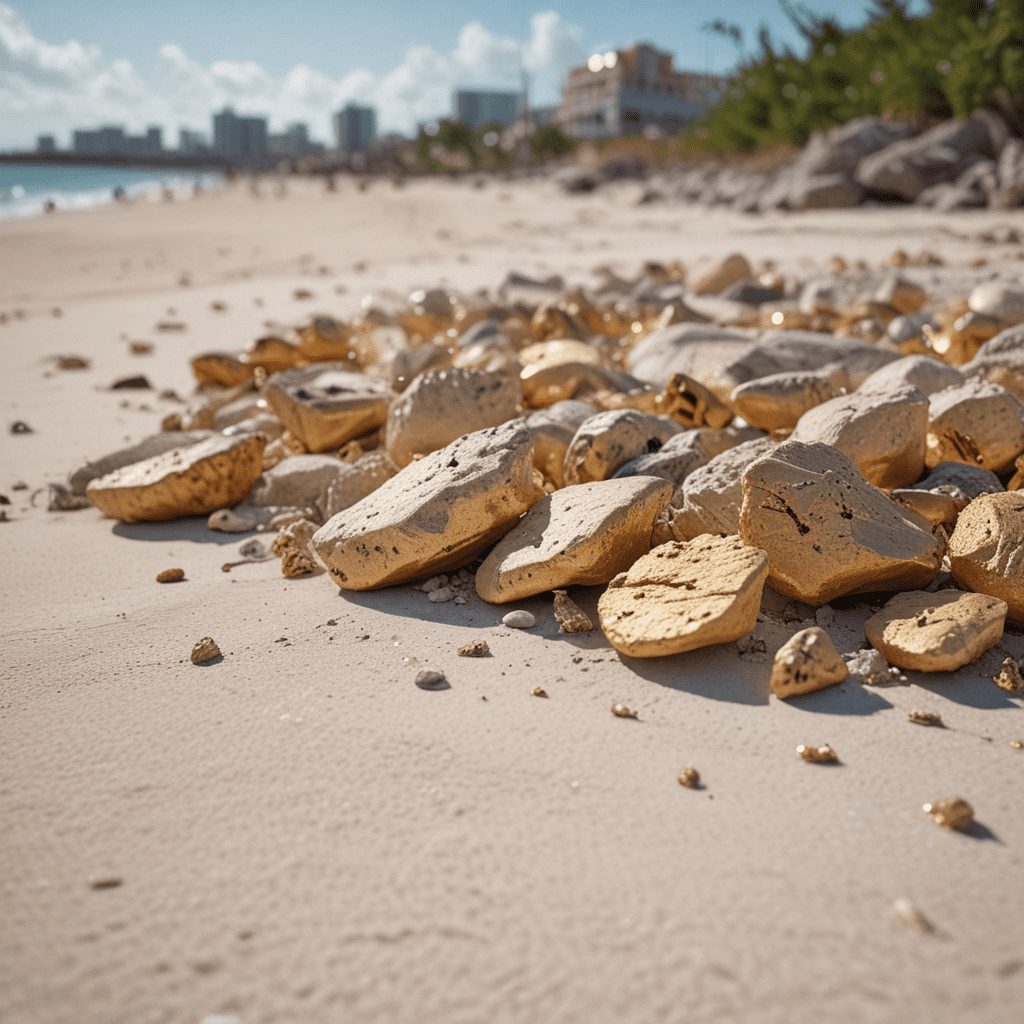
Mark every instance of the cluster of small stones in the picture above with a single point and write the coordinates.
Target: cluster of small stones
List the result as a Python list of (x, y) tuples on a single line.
[(682, 438)]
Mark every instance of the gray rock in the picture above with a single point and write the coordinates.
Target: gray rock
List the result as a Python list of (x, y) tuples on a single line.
[(1001, 361), (841, 149), (431, 679), (609, 440), (677, 459), (972, 480), (836, 191), (300, 481), (924, 372), (1010, 174), (155, 445), (697, 350)]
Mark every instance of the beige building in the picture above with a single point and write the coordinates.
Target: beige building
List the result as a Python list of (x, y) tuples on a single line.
[(625, 91)]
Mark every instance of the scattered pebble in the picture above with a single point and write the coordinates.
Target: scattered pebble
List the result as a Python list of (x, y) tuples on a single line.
[(690, 778), (442, 595), (72, 363), (925, 718), (818, 755), (19, 485), (474, 649), (140, 348), (63, 500), (951, 813), (538, 691), (571, 618), (1017, 744), (205, 650), (171, 576), (1009, 678), (621, 711), (135, 383), (519, 619), (255, 550), (105, 882), (912, 917), (431, 679), (20, 427)]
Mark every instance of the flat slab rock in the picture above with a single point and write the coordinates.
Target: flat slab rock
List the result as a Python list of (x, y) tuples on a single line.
[(827, 531), (938, 632), (682, 596), (326, 404), (145, 449), (579, 536), (986, 550), (435, 515), (806, 662), (191, 481)]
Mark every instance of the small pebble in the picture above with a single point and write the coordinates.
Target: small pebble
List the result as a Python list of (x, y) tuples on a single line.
[(105, 882), (925, 718), (519, 619), (690, 778), (474, 649), (538, 691), (1009, 678), (20, 427), (912, 917), (621, 711), (254, 549), (171, 576), (950, 813), (442, 595), (571, 618), (819, 755), (431, 679), (1017, 744), (204, 650)]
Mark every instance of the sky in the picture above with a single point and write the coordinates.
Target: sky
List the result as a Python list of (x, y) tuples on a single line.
[(81, 63)]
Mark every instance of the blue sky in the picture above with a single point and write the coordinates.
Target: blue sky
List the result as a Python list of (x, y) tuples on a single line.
[(76, 62)]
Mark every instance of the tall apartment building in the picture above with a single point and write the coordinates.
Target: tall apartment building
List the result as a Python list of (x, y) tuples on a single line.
[(293, 141), (239, 137), (354, 128), (192, 142), (631, 89), (475, 108), (46, 144), (111, 140)]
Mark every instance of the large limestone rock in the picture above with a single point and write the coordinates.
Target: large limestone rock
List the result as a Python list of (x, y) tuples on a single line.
[(439, 407), (937, 632), (979, 423), (827, 531), (719, 275), (579, 536), (698, 350), (777, 402), (356, 481), (1001, 361), (191, 481), (986, 550), (553, 429), (437, 514), (675, 461), (883, 432), (806, 662), (610, 439), (924, 372), (684, 596), (326, 405), (713, 494), (146, 449)]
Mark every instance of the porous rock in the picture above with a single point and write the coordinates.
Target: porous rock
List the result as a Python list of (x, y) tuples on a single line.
[(828, 531), (936, 632), (698, 350), (977, 422), (777, 402), (674, 461), (553, 429), (883, 432), (146, 449), (192, 481), (434, 515), (298, 482), (441, 406), (609, 440), (682, 596), (806, 662), (1001, 360), (940, 509), (357, 480), (986, 550), (582, 535), (291, 545), (326, 404), (924, 372)]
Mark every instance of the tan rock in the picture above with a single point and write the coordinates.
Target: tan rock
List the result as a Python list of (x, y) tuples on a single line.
[(938, 508), (960, 476), (437, 514), (291, 545), (193, 481), (683, 596), (827, 531), (221, 368), (326, 405), (265, 423), (806, 662), (1001, 360), (549, 384), (609, 440), (580, 535), (979, 423), (986, 550), (999, 300), (925, 372), (439, 407), (713, 494), (883, 432), (902, 295), (553, 429), (720, 274), (937, 632), (356, 481), (777, 402), (544, 354), (298, 482), (146, 449), (1009, 678), (571, 618), (691, 404)]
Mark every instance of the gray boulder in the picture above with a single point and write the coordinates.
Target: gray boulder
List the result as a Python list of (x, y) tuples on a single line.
[(1010, 175), (698, 350)]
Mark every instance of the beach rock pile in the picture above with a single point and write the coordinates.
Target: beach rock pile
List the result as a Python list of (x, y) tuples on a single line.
[(683, 440)]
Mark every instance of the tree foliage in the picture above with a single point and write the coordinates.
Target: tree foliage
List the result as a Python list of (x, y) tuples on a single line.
[(960, 56)]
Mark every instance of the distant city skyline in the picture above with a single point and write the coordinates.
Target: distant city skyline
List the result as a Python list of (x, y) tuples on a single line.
[(77, 64)]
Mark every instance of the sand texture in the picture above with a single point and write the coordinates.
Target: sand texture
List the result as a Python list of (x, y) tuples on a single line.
[(296, 832)]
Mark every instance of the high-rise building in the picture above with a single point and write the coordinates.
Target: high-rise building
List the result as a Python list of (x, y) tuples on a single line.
[(239, 137), (192, 142), (111, 140), (46, 144), (293, 141), (475, 108), (354, 128), (632, 89)]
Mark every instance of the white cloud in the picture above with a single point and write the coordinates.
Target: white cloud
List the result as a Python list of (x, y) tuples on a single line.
[(53, 89)]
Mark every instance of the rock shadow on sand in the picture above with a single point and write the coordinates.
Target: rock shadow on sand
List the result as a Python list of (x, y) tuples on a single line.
[(193, 529)]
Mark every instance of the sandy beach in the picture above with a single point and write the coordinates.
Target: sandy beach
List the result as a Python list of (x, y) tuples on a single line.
[(297, 833)]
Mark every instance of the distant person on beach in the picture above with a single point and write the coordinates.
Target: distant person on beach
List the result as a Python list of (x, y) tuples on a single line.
[(119, 195), (49, 206)]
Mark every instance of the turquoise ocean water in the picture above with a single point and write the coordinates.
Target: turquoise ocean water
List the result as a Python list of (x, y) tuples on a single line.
[(24, 188)]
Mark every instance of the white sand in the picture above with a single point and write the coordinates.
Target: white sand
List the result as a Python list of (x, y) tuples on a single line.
[(302, 835)]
